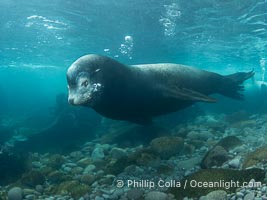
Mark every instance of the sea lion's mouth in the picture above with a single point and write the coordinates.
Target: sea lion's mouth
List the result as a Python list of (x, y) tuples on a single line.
[(86, 98), (82, 96), (77, 102)]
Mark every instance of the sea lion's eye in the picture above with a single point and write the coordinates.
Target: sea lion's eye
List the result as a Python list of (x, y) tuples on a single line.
[(85, 83)]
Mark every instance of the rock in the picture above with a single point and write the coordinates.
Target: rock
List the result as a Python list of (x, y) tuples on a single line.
[(165, 169), (12, 166), (70, 164), (74, 188), (217, 155), (117, 153), (98, 154), (189, 149), (84, 162), (214, 157), (189, 163), (30, 197), (76, 154), (239, 195), (67, 169), (39, 188), (56, 177), (89, 169), (211, 176), (156, 195), (46, 170), (255, 157), (166, 147), (105, 147), (217, 194), (33, 178), (36, 164), (87, 179), (197, 143), (27, 191), (229, 142), (199, 135), (107, 180), (234, 163), (264, 189), (249, 196), (237, 117), (134, 193), (77, 170), (55, 161), (145, 158), (117, 193), (116, 167), (99, 198), (100, 164), (15, 193)]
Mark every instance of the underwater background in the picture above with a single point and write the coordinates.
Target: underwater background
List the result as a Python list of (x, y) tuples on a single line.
[(51, 150)]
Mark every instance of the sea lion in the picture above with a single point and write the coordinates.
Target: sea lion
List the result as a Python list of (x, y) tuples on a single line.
[(138, 93)]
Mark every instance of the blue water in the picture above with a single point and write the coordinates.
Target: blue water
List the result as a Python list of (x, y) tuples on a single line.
[(40, 39)]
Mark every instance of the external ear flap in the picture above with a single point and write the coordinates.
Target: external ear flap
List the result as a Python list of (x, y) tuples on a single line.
[(97, 70), (94, 72)]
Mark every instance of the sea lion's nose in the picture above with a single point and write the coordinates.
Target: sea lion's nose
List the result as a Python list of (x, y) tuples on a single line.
[(71, 101)]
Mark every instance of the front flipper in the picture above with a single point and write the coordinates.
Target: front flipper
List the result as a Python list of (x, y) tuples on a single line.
[(186, 94)]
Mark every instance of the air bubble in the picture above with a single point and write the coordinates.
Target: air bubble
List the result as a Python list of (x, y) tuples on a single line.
[(263, 68), (168, 20), (126, 47)]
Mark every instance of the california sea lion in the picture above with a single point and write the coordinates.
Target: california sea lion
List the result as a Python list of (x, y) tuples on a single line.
[(138, 93)]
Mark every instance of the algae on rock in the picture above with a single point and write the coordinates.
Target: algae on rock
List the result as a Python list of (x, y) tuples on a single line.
[(256, 157)]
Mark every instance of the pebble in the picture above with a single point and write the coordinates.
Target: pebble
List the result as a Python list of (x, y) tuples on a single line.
[(117, 153), (76, 154), (30, 197), (200, 135), (98, 154), (99, 198), (106, 196), (217, 194), (89, 169), (105, 147), (239, 195), (36, 164), (135, 193), (249, 196), (235, 163), (39, 188), (27, 191), (66, 169), (71, 165), (77, 170), (117, 193), (257, 198), (15, 193), (156, 195)]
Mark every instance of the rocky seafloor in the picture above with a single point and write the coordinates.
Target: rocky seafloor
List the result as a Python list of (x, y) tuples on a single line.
[(210, 149)]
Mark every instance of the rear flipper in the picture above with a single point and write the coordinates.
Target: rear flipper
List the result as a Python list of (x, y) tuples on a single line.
[(231, 85)]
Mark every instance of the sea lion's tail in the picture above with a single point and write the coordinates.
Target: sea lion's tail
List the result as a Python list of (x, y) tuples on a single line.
[(232, 84)]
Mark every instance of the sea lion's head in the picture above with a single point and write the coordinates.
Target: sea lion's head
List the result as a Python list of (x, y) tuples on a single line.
[(85, 83)]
